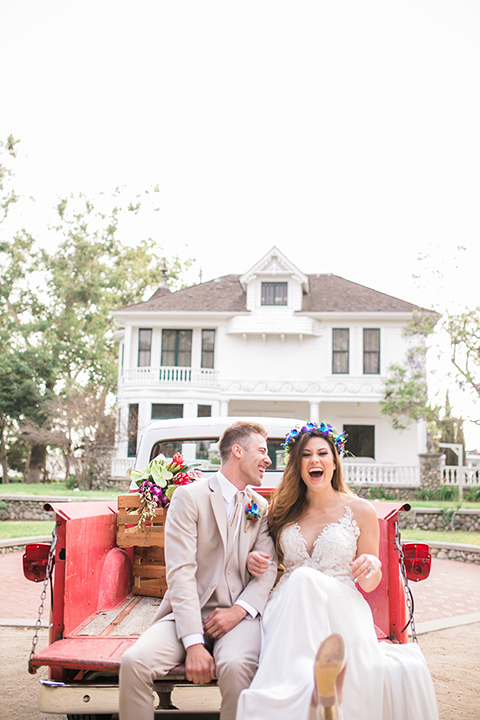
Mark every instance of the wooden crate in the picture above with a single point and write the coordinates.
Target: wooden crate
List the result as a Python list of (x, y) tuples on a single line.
[(130, 536), (149, 573), (149, 576)]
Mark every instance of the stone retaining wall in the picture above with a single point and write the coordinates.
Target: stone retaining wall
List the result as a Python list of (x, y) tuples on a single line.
[(435, 519), (455, 551), (19, 544), (26, 507)]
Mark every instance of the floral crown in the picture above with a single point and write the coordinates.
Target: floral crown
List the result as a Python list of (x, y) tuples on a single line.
[(327, 431)]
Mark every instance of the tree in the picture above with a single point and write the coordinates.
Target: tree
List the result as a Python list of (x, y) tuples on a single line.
[(464, 336), (406, 391), (92, 273), (55, 313), (21, 388), (450, 431), (24, 395)]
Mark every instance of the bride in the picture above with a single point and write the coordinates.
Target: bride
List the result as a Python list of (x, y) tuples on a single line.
[(320, 654)]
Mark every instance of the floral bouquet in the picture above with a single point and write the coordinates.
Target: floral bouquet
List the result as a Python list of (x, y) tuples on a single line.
[(157, 483)]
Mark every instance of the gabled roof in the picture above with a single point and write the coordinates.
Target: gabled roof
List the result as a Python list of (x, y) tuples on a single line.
[(275, 263), (327, 293)]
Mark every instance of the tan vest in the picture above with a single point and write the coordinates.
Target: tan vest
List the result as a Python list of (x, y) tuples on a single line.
[(230, 584)]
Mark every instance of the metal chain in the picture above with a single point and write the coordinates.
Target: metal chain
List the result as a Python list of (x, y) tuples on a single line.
[(406, 588), (48, 575)]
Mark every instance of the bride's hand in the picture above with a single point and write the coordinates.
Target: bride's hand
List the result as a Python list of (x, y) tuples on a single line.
[(366, 569), (257, 563)]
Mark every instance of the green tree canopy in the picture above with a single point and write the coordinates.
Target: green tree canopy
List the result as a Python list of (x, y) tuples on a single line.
[(56, 328)]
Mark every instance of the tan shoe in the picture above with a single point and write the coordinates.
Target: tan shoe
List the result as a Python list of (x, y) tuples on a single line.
[(329, 673)]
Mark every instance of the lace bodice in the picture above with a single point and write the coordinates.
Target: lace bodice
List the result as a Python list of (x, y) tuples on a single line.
[(333, 550)]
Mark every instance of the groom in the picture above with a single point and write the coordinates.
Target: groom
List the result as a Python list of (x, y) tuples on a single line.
[(210, 615)]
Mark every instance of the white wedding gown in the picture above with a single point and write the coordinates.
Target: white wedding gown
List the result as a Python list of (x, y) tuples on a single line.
[(317, 597)]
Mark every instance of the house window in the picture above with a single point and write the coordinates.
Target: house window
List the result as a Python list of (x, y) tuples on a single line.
[(340, 350), (371, 352), (361, 440), (177, 348), (132, 429), (144, 347), (274, 293), (166, 411), (204, 411), (208, 348)]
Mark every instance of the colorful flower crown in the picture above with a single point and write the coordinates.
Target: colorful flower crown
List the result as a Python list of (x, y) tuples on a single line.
[(329, 431)]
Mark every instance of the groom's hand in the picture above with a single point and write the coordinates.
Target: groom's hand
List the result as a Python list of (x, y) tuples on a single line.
[(222, 620), (199, 665)]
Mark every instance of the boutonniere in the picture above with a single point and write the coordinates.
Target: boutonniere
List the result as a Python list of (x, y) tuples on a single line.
[(252, 513)]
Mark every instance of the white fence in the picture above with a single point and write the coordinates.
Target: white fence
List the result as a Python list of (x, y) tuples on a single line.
[(120, 467), (375, 474), (167, 374), (461, 476)]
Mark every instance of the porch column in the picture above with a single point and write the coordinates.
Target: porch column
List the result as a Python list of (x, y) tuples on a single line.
[(144, 417), (314, 412), (128, 353), (422, 436)]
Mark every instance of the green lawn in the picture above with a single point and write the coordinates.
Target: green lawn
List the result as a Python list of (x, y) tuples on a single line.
[(25, 528), (459, 536), (54, 488)]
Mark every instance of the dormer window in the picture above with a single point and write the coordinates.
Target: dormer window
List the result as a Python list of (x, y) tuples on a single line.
[(274, 293)]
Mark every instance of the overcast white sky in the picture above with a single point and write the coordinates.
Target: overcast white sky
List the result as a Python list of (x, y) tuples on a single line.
[(344, 132)]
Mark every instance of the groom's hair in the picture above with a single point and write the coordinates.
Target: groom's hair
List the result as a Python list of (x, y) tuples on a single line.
[(238, 433)]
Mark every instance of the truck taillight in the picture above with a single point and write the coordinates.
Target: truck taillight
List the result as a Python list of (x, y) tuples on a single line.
[(35, 560), (417, 560)]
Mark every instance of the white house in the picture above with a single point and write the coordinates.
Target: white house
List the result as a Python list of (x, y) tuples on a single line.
[(274, 341)]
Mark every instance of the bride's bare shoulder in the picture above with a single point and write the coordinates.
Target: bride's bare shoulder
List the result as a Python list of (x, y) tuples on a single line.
[(362, 509)]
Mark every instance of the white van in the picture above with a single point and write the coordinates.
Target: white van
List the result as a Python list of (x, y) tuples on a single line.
[(197, 440)]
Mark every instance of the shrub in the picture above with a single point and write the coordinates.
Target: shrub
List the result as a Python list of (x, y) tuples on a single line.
[(71, 483)]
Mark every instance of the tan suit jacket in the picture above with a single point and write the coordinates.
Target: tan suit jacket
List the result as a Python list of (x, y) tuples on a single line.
[(196, 544)]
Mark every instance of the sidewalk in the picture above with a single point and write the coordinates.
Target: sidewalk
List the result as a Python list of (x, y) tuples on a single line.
[(449, 597)]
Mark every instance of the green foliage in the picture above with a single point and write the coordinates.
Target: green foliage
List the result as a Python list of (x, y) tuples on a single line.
[(57, 344), (7, 194), (71, 483), (379, 493), (405, 397), (17, 455), (472, 494), (92, 273), (464, 334), (406, 392), (444, 493)]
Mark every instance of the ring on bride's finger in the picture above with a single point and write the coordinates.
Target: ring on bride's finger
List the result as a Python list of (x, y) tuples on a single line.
[(369, 569)]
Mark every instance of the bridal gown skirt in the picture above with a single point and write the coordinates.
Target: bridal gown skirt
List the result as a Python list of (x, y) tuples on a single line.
[(382, 681)]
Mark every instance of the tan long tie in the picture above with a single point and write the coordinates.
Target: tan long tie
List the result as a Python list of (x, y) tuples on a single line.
[(236, 511)]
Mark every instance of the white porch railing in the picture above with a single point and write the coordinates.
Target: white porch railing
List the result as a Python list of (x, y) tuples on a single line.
[(169, 374), (120, 466), (374, 474), (461, 476)]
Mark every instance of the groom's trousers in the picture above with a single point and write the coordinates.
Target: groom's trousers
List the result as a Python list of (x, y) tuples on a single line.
[(159, 649)]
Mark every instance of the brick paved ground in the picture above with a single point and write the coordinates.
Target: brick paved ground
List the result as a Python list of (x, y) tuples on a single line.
[(19, 597), (453, 589)]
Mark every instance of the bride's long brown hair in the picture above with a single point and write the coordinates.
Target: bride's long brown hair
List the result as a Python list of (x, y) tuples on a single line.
[(289, 499)]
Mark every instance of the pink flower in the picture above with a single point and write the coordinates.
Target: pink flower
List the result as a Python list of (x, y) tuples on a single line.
[(182, 479)]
